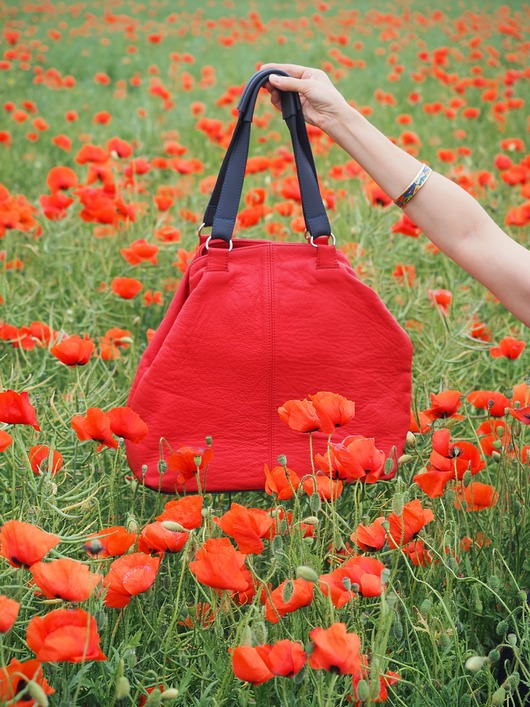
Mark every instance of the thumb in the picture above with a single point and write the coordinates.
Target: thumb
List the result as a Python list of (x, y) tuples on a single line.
[(287, 83)]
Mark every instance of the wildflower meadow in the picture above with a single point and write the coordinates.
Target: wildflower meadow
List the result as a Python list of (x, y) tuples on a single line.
[(362, 577)]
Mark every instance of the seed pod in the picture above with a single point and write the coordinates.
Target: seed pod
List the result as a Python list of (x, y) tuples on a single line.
[(308, 573), (475, 663), (37, 693)]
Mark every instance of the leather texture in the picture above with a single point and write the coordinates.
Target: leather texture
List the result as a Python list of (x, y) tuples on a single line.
[(252, 327)]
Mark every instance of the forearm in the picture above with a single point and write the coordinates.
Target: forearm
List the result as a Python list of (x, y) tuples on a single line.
[(446, 213)]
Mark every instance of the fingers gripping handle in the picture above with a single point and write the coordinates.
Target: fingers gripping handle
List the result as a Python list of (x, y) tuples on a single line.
[(221, 212)]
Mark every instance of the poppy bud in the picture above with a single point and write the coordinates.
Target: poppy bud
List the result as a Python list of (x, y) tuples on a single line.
[(307, 573), (397, 504), (208, 441), (385, 525), (173, 526), (311, 520), (501, 627), (496, 456), (496, 444), (498, 696), (132, 525), (123, 688), (170, 694), (363, 690), (467, 477), (288, 591), (389, 465), (410, 439), (475, 663), (512, 639), (282, 460), (37, 694), (162, 466), (260, 633), (246, 638), (404, 458), (315, 503), (154, 699), (277, 545), (494, 655)]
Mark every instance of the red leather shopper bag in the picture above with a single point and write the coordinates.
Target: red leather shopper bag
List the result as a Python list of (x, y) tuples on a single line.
[(255, 323)]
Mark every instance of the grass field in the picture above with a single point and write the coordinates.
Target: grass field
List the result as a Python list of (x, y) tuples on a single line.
[(115, 117)]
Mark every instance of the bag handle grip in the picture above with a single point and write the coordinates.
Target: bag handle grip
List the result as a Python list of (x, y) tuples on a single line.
[(221, 212)]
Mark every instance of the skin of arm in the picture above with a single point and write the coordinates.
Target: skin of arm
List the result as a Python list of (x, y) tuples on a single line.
[(450, 217)]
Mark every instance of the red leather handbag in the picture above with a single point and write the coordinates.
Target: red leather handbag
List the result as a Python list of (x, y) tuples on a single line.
[(255, 323)]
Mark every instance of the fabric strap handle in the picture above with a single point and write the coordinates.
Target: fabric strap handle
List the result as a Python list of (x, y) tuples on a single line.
[(221, 212)]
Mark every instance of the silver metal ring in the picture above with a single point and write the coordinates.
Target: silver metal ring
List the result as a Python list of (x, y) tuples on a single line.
[(315, 245), (199, 232), (230, 244)]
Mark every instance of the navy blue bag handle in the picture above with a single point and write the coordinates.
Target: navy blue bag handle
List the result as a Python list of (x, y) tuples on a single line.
[(221, 212)]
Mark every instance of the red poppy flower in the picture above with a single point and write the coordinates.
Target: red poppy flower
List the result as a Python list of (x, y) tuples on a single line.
[(406, 227), (521, 394), (247, 526), (9, 609), (186, 511), (476, 497), (489, 400), (496, 436), (249, 666), (333, 410), (422, 425), (405, 526), (23, 544), (39, 459), (322, 485), (15, 409), (5, 440), (61, 178), (358, 575), (218, 564), (441, 299), (110, 542), (508, 348), (74, 351), (155, 538), (457, 457), (64, 635), (385, 681), (128, 576), (300, 415), (187, 461), (417, 553), (290, 596), (95, 426), (199, 616), (281, 482), (126, 287), (521, 414), (126, 423), (356, 458), (335, 650), (370, 537), (66, 579), (140, 252), (445, 404), (285, 658), (14, 679)]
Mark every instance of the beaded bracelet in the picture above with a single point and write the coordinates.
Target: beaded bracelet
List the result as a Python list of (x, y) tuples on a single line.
[(414, 187)]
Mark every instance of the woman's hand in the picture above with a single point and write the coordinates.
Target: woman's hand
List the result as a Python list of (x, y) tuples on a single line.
[(321, 101)]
